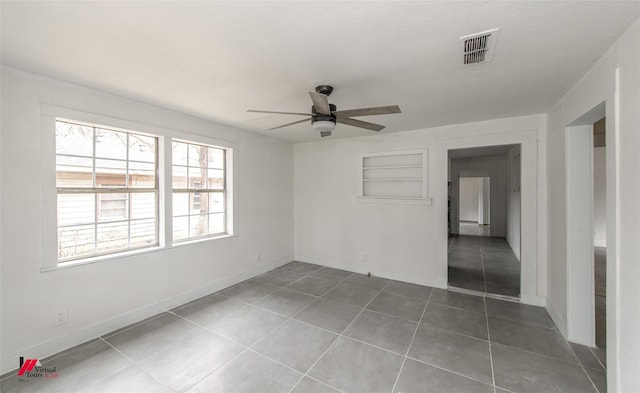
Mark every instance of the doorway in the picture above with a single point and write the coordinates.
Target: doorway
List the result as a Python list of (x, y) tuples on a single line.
[(484, 199)]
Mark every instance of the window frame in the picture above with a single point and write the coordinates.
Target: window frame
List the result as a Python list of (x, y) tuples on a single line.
[(47, 231)]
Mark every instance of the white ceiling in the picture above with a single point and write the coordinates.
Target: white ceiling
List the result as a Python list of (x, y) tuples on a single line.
[(217, 59)]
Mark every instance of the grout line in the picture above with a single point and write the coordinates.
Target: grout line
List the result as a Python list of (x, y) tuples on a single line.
[(484, 273), (340, 335), (585, 370), (133, 362), (404, 360), (598, 359), (493, 373)]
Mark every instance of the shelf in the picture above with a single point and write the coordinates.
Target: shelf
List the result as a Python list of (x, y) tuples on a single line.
[(392, 167), (411, 179), (396, 200)]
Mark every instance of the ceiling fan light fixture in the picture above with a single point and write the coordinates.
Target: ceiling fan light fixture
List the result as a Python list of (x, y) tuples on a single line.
[(324, 125)]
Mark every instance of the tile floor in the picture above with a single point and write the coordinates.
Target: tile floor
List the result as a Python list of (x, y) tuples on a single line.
[(483, 264), (473, 229), (304, 328)]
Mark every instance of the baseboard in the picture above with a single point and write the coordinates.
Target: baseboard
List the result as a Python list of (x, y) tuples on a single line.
[(9, 361), (533, 300), (364, 269), (557, 319)]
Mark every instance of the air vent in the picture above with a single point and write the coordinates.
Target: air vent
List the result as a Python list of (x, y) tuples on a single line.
[(478, 48)]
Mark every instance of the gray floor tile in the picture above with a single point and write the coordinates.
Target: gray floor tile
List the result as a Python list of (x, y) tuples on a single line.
[(249, 291), (456, 320), (530, 315), (599, 378), (308, 385), (465, 273), (461, 354), (352, 294), (473, 285), (504, 289), (328, 314), (398, 306), (209, 310), (130, 380), (163, 345), (541, 340), (286, 302), (247, 325), (295, 344), (585, 356), (458, 300), (72, 368), (364, 280), (249, 373), (417, 377), (387, 332), (526, 372), (355, 367), (300, 267), (331, 274), (400, 288), (279, 277), (601, 354), (315, 286)]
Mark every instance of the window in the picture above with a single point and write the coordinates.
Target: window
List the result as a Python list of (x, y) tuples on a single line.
[(107, 190), (394, 176), (199, 190)]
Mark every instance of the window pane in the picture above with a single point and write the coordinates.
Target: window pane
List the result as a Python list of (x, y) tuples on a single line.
[(199, 202), (142, 175), (179, 177), (113, 207), (74, 139), (216, 158), (143, 233), (216, 223), (111, 144), (113, 236), (142, 148), (76, 241), (180, 228), (199, 225), (179, 156), (195, 178), (216, 178), (180, 203), (143, 205), (74, 171), (110, 173), (197, 155), (74, 209), (216, 202)]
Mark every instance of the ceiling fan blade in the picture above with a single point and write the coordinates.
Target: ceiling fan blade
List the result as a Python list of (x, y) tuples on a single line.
[(279, 113), (359, 123), (325, 133), (290, 124), (321, 103), (380, 110)]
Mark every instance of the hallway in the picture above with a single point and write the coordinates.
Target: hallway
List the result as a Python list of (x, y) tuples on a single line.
[(483, 264)]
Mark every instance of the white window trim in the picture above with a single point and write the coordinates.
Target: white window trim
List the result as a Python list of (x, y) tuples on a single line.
[(424, 200), (48, 116)]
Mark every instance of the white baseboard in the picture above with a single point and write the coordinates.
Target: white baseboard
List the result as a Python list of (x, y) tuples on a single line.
[(557, 319), (364, 269), (9, 361), (533, 300)]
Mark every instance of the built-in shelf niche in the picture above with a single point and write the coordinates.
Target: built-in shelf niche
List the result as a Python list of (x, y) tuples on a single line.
[(394, 177)]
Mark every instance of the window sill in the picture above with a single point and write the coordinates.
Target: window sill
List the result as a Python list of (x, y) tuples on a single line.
[(126, 254), (396, 201)]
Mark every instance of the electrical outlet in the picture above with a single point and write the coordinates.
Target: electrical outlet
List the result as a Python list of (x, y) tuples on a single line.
[(363, 258), (61, 316)]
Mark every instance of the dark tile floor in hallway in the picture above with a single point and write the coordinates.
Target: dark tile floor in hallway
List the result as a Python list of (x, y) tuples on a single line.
[(305, 328), (483, 264)]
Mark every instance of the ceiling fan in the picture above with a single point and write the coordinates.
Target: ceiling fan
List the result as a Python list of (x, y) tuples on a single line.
[(324, 116)]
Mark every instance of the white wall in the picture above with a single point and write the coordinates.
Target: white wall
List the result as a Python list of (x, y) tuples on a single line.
[(406, 241), (110, 294), (513, 201), (469, 198), (484, 199), (494, 169), (599, 197), (615, 80)]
